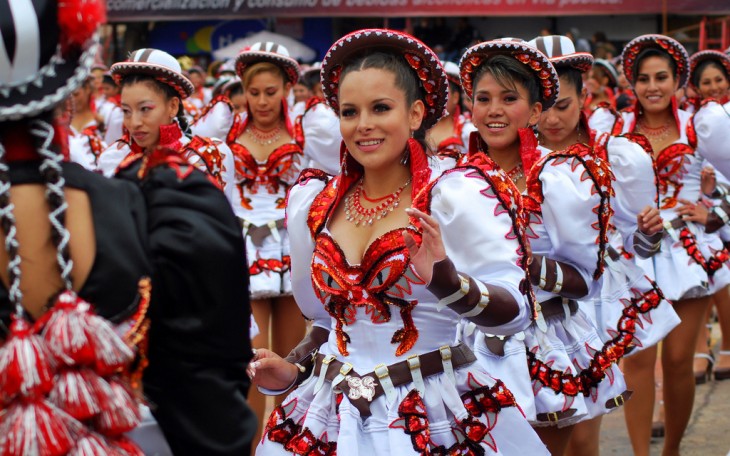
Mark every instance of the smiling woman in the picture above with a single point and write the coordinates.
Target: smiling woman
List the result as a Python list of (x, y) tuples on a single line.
[(375, 255)]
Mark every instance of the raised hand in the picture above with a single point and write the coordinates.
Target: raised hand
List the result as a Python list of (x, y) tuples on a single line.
[(431, 249)]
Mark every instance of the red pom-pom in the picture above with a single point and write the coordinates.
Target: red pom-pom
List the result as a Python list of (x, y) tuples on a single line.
[(34, 427), (78, 20), (25, 363), (78, 337), (91, 445), (120, 411), (77, 393), (68, 331)]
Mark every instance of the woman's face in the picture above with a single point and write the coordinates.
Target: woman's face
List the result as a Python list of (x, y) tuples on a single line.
[(301, 93), (558, 125), (655, 84), (596, 80), (713, 83), (264, 95), (82, 96), (146, 109), (375, 118), (239, 102), (499, 112)]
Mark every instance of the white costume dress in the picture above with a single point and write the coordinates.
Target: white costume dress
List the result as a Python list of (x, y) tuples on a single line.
[(691, 262), (379, 313), (567, 377), (631, 312), (85, 146), (261, 187)]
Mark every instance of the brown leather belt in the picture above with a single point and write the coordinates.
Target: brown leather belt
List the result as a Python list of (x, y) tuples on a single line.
[(363, 389), (554, 306), (554, 417)]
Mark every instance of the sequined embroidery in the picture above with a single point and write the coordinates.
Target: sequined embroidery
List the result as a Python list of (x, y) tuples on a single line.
[(281, 429), (594, 168), (672, 163), (208, 151)]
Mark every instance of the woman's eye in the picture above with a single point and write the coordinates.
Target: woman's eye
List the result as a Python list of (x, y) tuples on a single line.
[(482, 99), (382, 108), (347, 113)]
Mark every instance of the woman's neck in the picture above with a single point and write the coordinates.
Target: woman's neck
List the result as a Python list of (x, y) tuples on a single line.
[(384, 181), (577, 135), (657, 119), (507, 158)]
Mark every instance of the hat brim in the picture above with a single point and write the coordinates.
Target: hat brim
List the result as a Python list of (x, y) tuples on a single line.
[(675, 50), (702, 56), (289, 65), (535, 60), (177, 81), (424, 62), (581, 61), (55, 82)]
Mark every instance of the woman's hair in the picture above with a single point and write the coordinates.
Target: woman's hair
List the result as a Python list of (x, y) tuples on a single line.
[(508, 72), (160, 87), (697, 73), (573, 76), (261, 67), (405, 79), (310, 79), (42, 131), (653, 52), (611, 82)]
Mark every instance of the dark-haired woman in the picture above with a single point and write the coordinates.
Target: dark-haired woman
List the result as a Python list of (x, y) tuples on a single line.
[(450, 136), (601, 84), (710, 77), (85, 138), (375, 255), (511, 83), (153, 127), (73, 267), (630, 312), (199, 339), (691, 264)]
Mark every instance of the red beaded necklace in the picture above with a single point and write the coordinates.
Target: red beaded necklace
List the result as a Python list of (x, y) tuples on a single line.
[(357, 214)]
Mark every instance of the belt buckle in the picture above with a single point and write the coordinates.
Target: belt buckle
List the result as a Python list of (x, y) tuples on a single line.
[(361, 387), (553, 417), (618, 401)]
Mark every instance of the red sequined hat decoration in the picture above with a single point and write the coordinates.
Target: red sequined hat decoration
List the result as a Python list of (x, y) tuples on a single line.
[(519, 49), (699, 57), (419, 57), (268, 52), (669, 45)]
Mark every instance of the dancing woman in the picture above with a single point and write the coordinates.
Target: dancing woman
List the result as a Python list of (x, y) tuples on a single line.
[(691, 263), (511, 83), (630, 311), (375, 255)]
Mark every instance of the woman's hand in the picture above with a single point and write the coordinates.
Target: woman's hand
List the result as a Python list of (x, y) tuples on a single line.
[(709, 181), (693, 212), (269, 370), (650, 221), (431, 249)]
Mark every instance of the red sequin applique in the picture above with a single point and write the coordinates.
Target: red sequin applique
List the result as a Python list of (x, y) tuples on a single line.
[(207, 150), (471, 433), (671, 165), (382, 280), (712, 264), (281, 428), (598, 171), (274, 265)]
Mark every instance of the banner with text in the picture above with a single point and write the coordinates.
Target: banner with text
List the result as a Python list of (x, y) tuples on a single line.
[(142, 10)]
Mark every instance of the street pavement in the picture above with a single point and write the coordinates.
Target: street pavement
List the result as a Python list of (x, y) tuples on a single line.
[(708, 433)]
